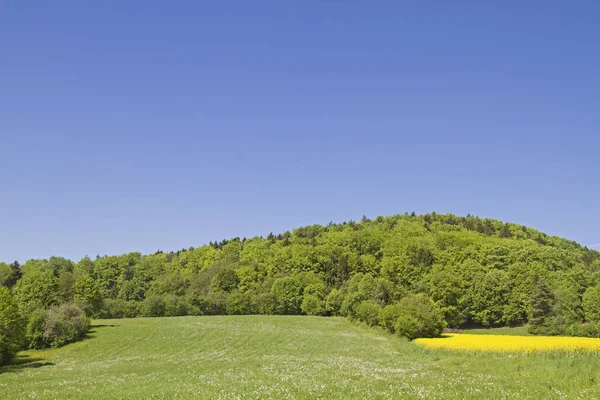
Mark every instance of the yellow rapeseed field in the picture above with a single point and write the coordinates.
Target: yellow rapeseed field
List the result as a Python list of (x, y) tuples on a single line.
[(511, 343)]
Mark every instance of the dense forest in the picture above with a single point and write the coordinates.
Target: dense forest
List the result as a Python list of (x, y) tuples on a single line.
[(411, 274)]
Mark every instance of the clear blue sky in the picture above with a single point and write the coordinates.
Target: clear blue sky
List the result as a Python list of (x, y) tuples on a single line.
[(161, 125)]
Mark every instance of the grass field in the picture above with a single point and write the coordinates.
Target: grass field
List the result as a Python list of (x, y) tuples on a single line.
[(259, 357)]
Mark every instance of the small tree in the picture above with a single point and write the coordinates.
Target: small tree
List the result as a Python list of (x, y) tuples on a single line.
[(418, 318), (543, 312)]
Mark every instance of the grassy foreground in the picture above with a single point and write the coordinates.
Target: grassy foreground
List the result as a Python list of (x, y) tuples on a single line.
[(278, 357)]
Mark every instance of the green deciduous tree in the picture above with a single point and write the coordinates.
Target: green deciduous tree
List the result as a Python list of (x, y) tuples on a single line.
[(591, 304), (38, 288), (11, 327)]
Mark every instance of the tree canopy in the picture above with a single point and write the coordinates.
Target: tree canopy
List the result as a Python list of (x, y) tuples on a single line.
[(468, 271)]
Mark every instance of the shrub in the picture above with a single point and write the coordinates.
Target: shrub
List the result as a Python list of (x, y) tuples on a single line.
[(368, 312), (418, 318), (11, 327), (388, 317), (64, 324)]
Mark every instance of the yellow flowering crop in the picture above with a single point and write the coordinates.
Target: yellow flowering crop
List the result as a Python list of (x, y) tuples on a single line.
[(511, 343)]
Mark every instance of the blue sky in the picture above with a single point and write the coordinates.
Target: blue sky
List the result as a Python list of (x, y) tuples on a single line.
[(137, 126)]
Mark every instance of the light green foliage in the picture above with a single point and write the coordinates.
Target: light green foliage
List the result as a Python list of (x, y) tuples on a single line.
[(489, 297), (283, 357), (591, 304), (35, 330), (333, 302), (11, 327), (59, 265), (388, 316), (288, 295), (38, 288), (313, 302), (87, 294)]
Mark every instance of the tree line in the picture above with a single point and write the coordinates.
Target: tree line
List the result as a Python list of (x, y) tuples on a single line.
[(411, 274)]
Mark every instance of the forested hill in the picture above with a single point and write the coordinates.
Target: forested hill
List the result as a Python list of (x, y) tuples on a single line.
[(476, 271)]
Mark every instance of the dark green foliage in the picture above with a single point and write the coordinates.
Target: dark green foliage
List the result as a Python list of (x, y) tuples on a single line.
[(175, 305), (214, 304), (418, 318), (119, 308), (241, 304), (11, 327), (266, 303), (544, 317), (225, 281), (154, 306)]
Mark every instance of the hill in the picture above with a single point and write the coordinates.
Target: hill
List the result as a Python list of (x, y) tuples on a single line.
[(277, 357), (475, 272)]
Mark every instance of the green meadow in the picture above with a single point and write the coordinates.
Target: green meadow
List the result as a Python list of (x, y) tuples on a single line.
[(282, 357)]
